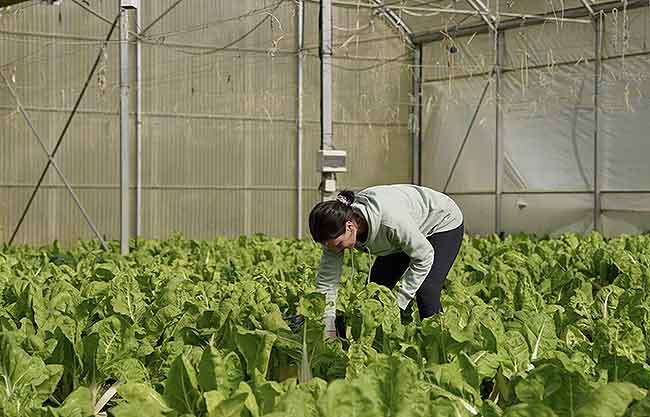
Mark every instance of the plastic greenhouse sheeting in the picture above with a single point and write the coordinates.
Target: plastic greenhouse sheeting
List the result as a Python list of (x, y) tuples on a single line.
[(547, 93)]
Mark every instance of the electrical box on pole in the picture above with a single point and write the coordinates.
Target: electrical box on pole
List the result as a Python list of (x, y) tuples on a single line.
[(331, 161), (130, 4)]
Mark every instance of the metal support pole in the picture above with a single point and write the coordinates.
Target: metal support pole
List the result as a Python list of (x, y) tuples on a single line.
[(469, 130), (416, 116), (327, 142), (598, 33), (51, 161), (301, 58), (499, 52), (124, 132), (65, 129), (138, 126)]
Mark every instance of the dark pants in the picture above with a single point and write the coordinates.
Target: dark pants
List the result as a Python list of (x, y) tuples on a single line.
[(387, 270)]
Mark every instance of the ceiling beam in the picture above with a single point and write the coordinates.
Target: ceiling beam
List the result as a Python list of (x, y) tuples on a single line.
[(5, 3), (484, 13), (578, 12), (588, 7), (397, 21)]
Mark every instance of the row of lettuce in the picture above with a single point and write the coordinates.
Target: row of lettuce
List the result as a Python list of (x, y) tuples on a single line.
[(532, 327)]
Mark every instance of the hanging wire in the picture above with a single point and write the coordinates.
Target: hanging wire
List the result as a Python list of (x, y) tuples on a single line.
[(269, 15), (26, 57), (524, 71), (213, 23), (380, 64), (369, 25)]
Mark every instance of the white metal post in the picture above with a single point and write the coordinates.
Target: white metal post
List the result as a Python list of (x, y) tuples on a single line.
[(124, 132), (598, 31), (499, 52), (326, 87), (301, 40), (416, 116), (138, 126)]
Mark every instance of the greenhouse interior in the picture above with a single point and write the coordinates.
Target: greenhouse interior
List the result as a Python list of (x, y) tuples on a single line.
[(163, 167)]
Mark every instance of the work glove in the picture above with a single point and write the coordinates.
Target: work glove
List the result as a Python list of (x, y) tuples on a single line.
[(294, 322), (340, 326), (406, 315)]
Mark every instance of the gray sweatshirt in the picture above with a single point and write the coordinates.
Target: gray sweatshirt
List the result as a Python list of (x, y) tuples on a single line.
[(400, 218)]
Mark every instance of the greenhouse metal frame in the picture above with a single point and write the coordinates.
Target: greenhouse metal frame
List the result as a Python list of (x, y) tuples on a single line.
[(491, 21)]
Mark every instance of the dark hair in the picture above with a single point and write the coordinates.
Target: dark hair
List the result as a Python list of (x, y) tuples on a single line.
[(327, 218)]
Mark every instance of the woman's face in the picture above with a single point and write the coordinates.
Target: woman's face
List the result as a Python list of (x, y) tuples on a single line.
[(345, 240)]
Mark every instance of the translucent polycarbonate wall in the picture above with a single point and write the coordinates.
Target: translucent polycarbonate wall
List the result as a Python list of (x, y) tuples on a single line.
[(549, 126), (219, 95)]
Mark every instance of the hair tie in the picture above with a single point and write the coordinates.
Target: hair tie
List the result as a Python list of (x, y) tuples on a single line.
[(342, 199)]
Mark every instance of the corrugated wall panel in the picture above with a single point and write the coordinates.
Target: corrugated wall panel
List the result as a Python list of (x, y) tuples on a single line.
[(219, 128), (195, 213), (101, 204), (12, 202)]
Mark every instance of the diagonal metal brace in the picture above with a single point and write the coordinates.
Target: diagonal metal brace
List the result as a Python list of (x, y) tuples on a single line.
[(53, 162), (65, 129), (396, 20), (469, 130), (484, 12), (588, 7)]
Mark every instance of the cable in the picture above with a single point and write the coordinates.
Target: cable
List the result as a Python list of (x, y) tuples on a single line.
[(241, 38), (204, 26), (17, 60), (387, 61)]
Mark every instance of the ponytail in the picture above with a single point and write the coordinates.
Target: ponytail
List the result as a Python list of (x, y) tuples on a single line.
[(346, 197)]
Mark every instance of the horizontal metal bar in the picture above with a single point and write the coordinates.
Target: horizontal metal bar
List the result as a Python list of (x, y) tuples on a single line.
[(630, 210), (548, 192), (492, 193), (294, 188), (578, 12), (177, 45), (266, 119), (545, 18), (449, 10), (625, 192), (360, 41), (626, 210), (540, 66), (196, 46), (5, 3), (341, 57), (198, 116), (588, 7), (116, 187), (53, 35)]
